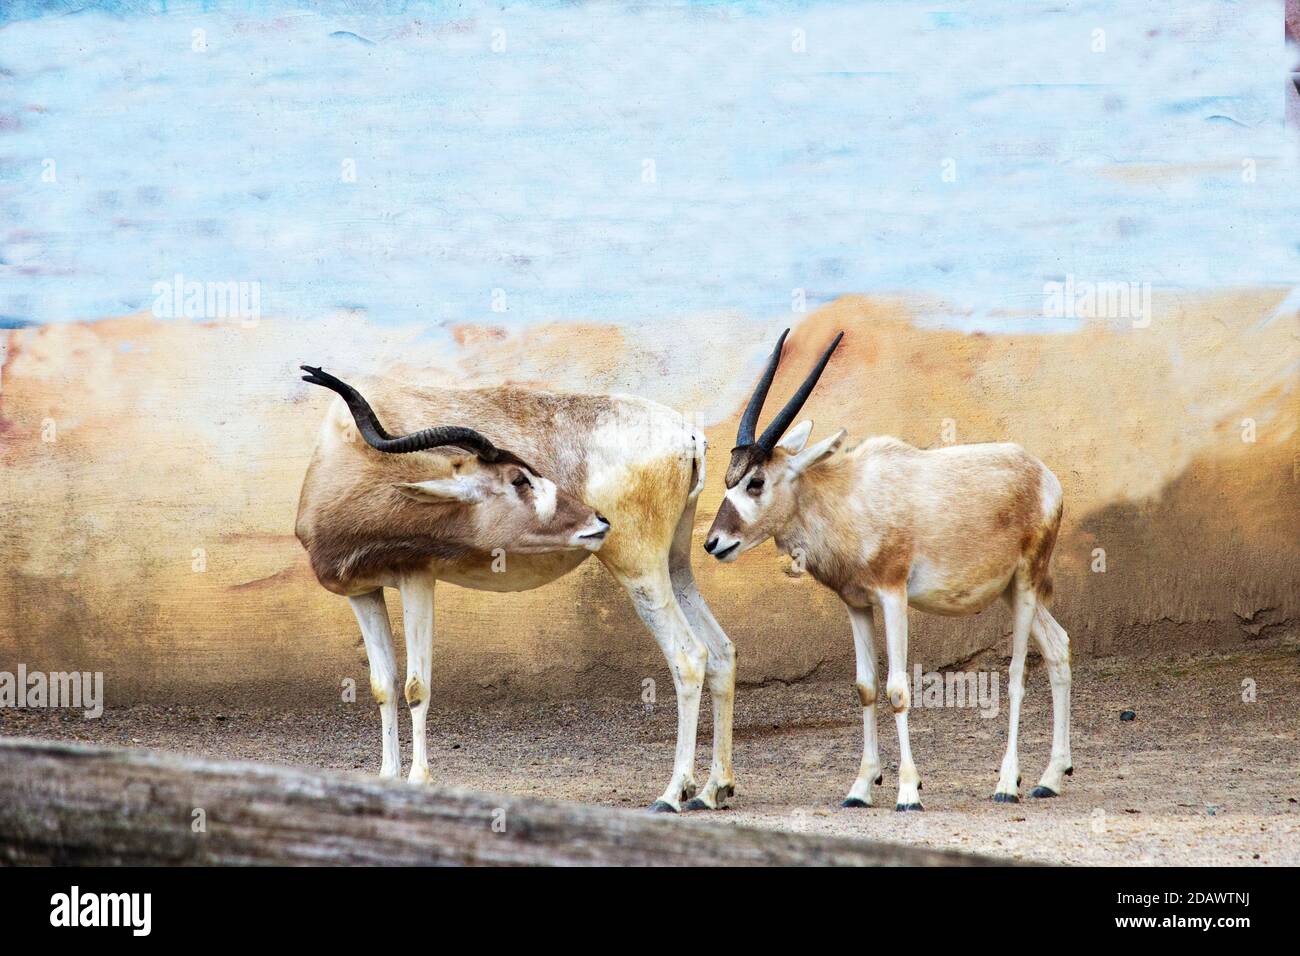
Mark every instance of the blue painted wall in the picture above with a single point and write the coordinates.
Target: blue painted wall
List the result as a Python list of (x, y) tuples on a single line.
[(508, 147)]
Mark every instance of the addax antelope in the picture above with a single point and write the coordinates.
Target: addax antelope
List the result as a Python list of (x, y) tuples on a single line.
[(887, 525), (611, 475)]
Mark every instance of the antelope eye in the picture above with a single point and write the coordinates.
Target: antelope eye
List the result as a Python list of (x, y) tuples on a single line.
[(521, 481), (755, 486)]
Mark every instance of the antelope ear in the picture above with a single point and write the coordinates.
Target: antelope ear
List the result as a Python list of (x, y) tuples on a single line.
[(796, 437), (440, 491), (811, 456)]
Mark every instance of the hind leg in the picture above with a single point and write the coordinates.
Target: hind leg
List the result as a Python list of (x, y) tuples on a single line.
[(652, 595), (372, 615), (720, 666), (417, 615), (1054, 644), (1023, 601)]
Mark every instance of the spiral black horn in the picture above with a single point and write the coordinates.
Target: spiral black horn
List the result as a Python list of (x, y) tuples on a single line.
[(378, 438)]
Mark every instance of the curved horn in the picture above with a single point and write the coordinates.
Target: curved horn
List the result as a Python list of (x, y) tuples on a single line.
[(772, 434), (378, 438), (749, 421)]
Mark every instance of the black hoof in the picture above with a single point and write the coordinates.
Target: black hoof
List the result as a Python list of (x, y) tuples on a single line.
[(853, 803), (1043, 792), (661, 806), (1069, 771), (880, 778), (902, 807), (696, 804), (1005, 798)]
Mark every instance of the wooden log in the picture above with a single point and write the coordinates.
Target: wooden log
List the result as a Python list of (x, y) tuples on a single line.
[(74, 804)]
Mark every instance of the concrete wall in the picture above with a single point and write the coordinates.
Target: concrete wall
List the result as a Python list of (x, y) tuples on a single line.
[(631, 197), (129, 446)]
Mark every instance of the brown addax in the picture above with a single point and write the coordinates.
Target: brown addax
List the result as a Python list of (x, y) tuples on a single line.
[(514, 489)]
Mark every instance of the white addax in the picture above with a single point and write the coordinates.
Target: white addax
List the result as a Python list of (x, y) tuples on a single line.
[(889, 526)]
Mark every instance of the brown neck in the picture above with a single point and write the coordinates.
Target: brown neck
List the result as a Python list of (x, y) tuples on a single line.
[(819, 524)]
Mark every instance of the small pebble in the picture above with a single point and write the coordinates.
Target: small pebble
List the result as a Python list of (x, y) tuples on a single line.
[(1128, 715)]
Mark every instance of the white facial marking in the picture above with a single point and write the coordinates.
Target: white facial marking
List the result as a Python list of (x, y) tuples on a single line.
[(544, 498), (746, 505), (730, 547)]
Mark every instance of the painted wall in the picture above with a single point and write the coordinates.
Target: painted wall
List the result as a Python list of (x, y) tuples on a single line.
[(595, 198), (177, 439)]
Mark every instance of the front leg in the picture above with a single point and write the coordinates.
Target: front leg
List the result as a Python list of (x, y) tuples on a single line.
[(893, 604), (417, 616), (372, 616), (864, 645)]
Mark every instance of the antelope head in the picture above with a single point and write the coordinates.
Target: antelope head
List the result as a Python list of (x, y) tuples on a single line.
[(486, 497), (763, 478)]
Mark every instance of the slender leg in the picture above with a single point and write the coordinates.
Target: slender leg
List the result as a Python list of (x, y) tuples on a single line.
[(372, 615), (720, 673), (652, 593), (720, 667), (893, 604), (1023, 602), (1054, 644), (865, 646), (417, 614)]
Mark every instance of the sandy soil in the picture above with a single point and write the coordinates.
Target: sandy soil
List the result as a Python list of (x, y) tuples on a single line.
[(1200, 777)]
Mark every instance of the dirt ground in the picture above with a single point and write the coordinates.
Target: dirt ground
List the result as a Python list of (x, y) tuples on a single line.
[(1200, 777)]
